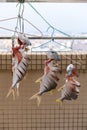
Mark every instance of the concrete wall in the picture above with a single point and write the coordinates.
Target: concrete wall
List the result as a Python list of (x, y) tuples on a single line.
[(79, 59), (23, 114)]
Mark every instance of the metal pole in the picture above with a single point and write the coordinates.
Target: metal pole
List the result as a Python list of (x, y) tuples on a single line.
[(53, 38)]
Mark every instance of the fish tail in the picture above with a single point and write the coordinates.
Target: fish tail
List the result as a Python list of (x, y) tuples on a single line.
[(60, 89), (59, 101), (17, 92), (39, 80), (11, 90), (13, 93), (38, 100), (38, 97), (17, 89), (52, 91)]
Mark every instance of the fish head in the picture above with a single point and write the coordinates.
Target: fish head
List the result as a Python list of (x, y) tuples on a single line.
[(53, 55), (71, 69), (23, 40)]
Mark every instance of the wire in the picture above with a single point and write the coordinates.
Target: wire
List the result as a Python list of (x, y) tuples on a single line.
[(24, 19), (16, 31), (34, 26), (2, 20), (50, 26)]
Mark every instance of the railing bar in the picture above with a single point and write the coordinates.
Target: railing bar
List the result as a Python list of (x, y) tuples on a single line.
[(58, 38)]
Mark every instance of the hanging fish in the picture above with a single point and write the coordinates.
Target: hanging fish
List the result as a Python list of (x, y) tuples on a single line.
[(70, 90), (21, 70), (20, 67), (49, 81)]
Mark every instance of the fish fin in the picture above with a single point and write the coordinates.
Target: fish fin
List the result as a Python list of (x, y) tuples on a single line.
[(60, 89), (38, 97), (52, 91), (13, 93), (17, 92), (39, 80), (59, 101), (34, 96), (9, 93), (38, 100), (17, 89)]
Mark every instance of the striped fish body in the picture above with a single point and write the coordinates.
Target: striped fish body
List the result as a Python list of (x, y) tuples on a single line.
[(68, 92), (49, 81), (20, 70), (47, 84), (76, 83)]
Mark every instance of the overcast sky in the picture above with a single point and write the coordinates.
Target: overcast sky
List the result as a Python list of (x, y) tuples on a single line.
[(67, 17)]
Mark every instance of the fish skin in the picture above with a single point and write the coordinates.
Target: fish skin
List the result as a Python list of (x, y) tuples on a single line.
[(20, 64), (47, 84), (20, 70), (49, 80), (68, 92), (21, 59)]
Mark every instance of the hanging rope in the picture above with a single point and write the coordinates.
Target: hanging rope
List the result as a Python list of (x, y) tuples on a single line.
[(20, 17)]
